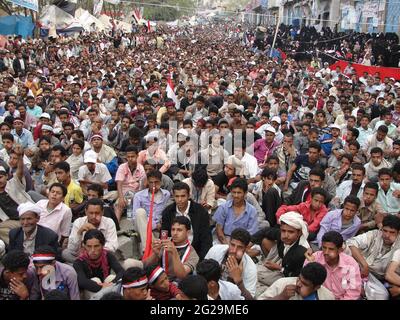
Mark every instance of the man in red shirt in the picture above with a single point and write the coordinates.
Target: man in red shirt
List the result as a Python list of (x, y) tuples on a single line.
[(312, 211)]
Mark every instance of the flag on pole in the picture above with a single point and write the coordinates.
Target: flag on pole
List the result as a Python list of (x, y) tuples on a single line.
[(170, 91), (148, 26), (137, 15), (149, 241)]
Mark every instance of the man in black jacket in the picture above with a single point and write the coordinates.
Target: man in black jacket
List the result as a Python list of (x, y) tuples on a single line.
[(30, 235), (20, 65), (201, 238), (284, 249)]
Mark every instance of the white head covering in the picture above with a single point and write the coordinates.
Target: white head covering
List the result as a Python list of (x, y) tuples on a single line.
[(296, 221), (28, 207)]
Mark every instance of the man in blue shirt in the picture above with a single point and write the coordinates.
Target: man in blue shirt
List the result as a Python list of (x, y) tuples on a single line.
[(142, 203), (24, 135), (235, 213)]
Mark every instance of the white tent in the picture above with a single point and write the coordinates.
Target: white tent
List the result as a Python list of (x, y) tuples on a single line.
[(54, 17), (87, 20)]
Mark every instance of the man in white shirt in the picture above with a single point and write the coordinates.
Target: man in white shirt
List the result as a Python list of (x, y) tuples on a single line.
[(235, 262), (93, 172), (94, 219)]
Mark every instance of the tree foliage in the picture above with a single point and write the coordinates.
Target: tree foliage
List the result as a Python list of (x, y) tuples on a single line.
[(183, 7)]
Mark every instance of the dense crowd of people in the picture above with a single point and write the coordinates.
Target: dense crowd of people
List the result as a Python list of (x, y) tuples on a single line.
[(265, 178)]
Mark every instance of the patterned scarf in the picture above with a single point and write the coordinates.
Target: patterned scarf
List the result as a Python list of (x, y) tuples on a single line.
[(101, 262)]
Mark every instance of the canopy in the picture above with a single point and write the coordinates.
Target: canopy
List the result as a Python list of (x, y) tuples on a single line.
[(87, 20), (54, 17)]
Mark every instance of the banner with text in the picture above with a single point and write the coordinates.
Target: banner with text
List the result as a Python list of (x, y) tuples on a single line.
[(30, 4)]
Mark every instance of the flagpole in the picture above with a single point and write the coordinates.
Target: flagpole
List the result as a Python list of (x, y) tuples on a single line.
[(149, 241), (276, 33)]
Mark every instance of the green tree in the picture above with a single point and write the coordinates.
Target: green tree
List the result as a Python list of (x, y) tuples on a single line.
[(163, 13)]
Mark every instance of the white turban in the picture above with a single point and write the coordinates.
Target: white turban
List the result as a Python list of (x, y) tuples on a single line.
[(28, 207), (296, 221)]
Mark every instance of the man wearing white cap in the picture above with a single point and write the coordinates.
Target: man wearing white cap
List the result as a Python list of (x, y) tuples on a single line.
[(263, 148), (93, 171), (284, 248), (30, 235), (24, 135)]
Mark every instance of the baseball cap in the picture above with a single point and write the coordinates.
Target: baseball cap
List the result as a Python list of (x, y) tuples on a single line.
[(96, 136), (183, 132), (276, 119), (334, 126), (3, 171), (90, 157), (47, 127), (45, 115), (270, 129)]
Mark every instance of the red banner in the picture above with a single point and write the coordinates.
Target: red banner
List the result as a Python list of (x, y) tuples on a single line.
[(360, 69)]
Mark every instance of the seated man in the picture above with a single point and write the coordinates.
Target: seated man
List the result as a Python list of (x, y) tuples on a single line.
[(302, 166), (343, 279), (30, 235), (217, 289), (374, 249), (316, 179), (200, 237), (166, 182), (392, 276), (133, 286), (376, 163), (283, 248), (55, 214), (370, 211), (345, 221), (193, 287), (12, 194), (354, 187), (161, 288), (268, 195), (142, 202), (94, 219), (95, 191), (175, 255), (61, 276), (312, 211), (128, 177), (235, 213), (94, 265), (389, 192), (74, 195), (93, 172), (236, 264), (307, 286), (17, 278)]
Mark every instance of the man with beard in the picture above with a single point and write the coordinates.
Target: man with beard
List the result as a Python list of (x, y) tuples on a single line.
[(30, 235), (237, 266), (54, 275), (119, 132), (307, 286), (354, 187)]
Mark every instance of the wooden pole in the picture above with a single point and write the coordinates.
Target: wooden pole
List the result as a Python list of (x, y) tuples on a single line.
[(276, 33)]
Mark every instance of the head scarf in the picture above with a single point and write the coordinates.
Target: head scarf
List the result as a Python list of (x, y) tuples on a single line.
[(296, 221)]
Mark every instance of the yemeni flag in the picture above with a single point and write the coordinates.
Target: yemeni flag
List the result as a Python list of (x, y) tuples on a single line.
[(149, 232), (170, 90)]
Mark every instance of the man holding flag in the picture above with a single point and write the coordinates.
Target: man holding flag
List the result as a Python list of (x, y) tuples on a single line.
[(176, 255), (148, 205)]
